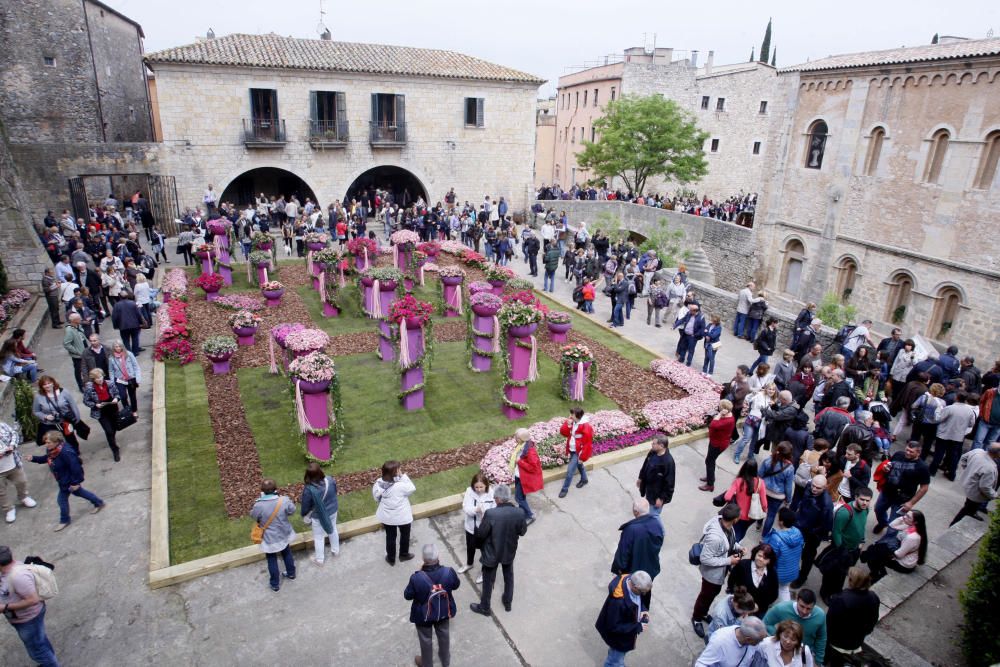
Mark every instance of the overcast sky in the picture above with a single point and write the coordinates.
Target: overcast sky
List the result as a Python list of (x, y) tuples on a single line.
[(550, 38)]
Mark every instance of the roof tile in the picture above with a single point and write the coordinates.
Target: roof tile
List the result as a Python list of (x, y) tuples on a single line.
[(970, 48)]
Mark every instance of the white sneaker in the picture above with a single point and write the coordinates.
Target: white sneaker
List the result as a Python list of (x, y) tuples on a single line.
[(479, 579), (463, 569), (11, 515), (29, 502)]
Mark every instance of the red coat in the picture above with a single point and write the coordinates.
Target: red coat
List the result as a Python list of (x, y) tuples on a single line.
[(584, 438), (530, 468)]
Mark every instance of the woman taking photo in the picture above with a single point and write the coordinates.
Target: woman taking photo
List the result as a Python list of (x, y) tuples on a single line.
[(392, 493), (319, 509), (719, 430), (758, 576), (478, 499), (753, 425), (741, 492), (55, 410), (101, 397), (786, 648), (900, 551), (125, 373)]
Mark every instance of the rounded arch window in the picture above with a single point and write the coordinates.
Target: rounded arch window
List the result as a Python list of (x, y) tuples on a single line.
[(792, 267), (944, 319), (988, 162), (874, 150), (847, 276), (900, 292), (935, 158), (816, 144)]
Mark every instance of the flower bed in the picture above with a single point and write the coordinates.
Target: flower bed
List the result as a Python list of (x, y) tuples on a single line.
[(473, 258), (307, 340), (10, 304), (453, 247), (174, 335), (175, 283), (240, 302)]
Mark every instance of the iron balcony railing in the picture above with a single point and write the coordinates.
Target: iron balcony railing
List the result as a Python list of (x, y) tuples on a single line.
[(264, 131), (328, 131), (388, 133)]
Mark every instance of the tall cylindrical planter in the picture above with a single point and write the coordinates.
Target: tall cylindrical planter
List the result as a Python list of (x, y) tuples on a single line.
[(484, 329), (520, 365), (222, 241), (262, 272), (414, 376), (330, 310), (403, 258), (578, 381), (386, 296), (206, 263), (452, 295), (369, 294), (315, 404), (558, 331)]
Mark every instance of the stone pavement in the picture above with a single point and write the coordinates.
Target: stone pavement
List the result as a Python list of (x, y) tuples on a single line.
[(351, 611)]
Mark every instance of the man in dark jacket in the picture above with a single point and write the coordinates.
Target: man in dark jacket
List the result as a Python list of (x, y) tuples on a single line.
[(831, 422), (807, 338), (68, 471), (431, 589), (949, 362), (692, 329), (836, 387), (499, 533), (971, 376), (127, 318), (624, 615), (531, 247), (858, 433), (640, 543), (656, 477), (551, 261), (766, 341), (779, 418), (815, 520)]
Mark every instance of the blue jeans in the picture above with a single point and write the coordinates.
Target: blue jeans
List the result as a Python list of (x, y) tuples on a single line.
[(36, 642), (616, 315), (753, 326), (588, 306), (739, 324), (522, 499), (272, 565), (130, 339), (709, 365), (773, 505), (574, 464), (628, 308), (616, 658), (749, 438), (985, 434), (562, 247), (848, 353), (762, 359), (685, 349), (885, 511), (549, 281), (63, 501)]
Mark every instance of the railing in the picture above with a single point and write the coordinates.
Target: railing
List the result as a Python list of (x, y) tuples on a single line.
[(264, 131), (387, 133), (328, 132)]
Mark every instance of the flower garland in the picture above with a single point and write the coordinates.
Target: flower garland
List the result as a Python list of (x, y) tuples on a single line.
[(318, 367), (571, 360)]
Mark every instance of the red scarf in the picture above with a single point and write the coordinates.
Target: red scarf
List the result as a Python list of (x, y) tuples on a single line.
[(103, 393), (53, 454), (122, 358)]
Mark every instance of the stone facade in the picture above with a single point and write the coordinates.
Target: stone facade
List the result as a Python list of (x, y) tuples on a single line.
[(545, 140), (202, 133), (909, 248), (21, 251)]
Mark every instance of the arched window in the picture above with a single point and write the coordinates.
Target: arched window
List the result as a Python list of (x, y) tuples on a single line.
[(847, 275), (988, 163), (935, 157), (945, 315), (557, 172), (791, 270), (816, 145), (874, 150), (900, 291)]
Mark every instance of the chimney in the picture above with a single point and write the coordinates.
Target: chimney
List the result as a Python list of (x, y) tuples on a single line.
[(694, 58), (708, 63), (325, 35)]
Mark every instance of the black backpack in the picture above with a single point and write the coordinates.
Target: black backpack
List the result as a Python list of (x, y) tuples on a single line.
[(844, 333), (438, 606)]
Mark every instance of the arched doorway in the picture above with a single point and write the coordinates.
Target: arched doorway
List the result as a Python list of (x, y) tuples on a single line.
[(403, 185), (273, 182), (791, 270)]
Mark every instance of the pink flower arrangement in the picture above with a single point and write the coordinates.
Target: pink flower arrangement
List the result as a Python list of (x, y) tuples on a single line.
[(409, 308), (244, 319), (307, 340), (272, 286), (432, 267), (210, 282), (240, 302), (527, 298), (313, 367), (173, 341), (16, 298), (354, 246), (575, 353), (429, 248), (281, 332), (487, 299), (315, 237), (175, 283), (453, 247), (480, 286), (451, 272), (496, 272), (473, 258), (404, 236), (559, 317)]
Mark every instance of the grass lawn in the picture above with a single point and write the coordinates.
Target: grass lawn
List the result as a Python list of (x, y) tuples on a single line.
[(461, 407)]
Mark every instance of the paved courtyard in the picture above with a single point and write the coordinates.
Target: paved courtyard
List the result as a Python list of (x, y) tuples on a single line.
[(351, 611)]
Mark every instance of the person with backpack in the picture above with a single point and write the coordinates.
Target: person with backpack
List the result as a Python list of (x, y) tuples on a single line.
[(717, 551), (431, 590), (551, 261), (24, 608), (319, 510), (851, 338), (847, 536), (765, 343), (925, 415)]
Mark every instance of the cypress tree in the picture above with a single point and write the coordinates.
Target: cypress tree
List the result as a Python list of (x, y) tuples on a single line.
[(774, 57), (934, 39), (753, 51), (765, 47)]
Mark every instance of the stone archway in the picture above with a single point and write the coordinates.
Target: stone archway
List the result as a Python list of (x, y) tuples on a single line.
[(403, 184), (272, 181)]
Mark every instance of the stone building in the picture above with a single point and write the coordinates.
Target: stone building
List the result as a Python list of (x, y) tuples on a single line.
[(325, 120), (545, 139), (735, 104), (886, 192)]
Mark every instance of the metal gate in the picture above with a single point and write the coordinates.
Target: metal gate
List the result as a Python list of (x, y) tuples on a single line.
[(163, 202), (78, 199)]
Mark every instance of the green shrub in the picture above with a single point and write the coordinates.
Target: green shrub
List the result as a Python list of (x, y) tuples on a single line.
[(980, 601), (24, 395), (666, 243), (834, 313)]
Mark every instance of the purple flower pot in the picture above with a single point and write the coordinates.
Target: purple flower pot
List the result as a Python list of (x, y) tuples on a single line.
[(484, 311), (557, 331), (216, 228), (359, 262), (522, 331), (387, 286), (498, 286), (267, 245), (408, 284), (330, 310), (366, 281), (475, 288), (220, 363), (245, 335), (273, 297), (316, 247), (313, 387), (263, 265), (452, 280)]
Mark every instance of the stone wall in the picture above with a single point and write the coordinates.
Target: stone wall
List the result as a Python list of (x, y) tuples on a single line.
[(22, 252), (201, 110)]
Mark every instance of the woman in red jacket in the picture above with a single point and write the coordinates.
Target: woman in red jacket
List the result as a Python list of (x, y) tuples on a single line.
[(579, 439), (527, 470), (719, 430)]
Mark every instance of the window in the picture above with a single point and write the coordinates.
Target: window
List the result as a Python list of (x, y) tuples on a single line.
[(945, 315), (756, 148), (578, 99), (935, 157), (474, 111), (988, 163), (874, 150), (388, 118), (612, 93), (572, 135), (791, 271), (595, 97), (585, 98), (900, 290), (581, 135), (847, 276), (763, 106), (704, 101), (816, 145), (715, 145), (593, 135), (720, 104), (263, 104), (327, 115), (49, 61)]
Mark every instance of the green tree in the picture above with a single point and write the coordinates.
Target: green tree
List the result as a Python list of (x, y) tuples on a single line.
[(641, 137), (934, 39), (834, 313), (765, 47), (980, 601), (610, 224), (667, 244)]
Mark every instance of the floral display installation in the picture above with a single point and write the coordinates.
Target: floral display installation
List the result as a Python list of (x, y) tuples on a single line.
[(406, 313), (239, 302), (175, 284), (577, 371), (318, 368), (174, 335), (484, 302), (516, 313), (209, 282), (305, 341)]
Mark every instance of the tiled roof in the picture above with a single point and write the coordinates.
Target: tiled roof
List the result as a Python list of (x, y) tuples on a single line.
[(970, 48), (275, 51)]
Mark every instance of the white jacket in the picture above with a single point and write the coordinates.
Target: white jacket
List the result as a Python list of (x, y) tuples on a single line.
[(770, 649), (471, 502), (393, 500)]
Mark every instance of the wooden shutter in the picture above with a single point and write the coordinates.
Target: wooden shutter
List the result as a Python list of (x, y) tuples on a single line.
[(375, 107), (400, 110), (479, 112), (313, 108), (340, 100)]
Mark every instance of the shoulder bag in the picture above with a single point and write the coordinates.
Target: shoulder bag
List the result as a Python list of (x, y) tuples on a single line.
[(756, 512), (257, 532)]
